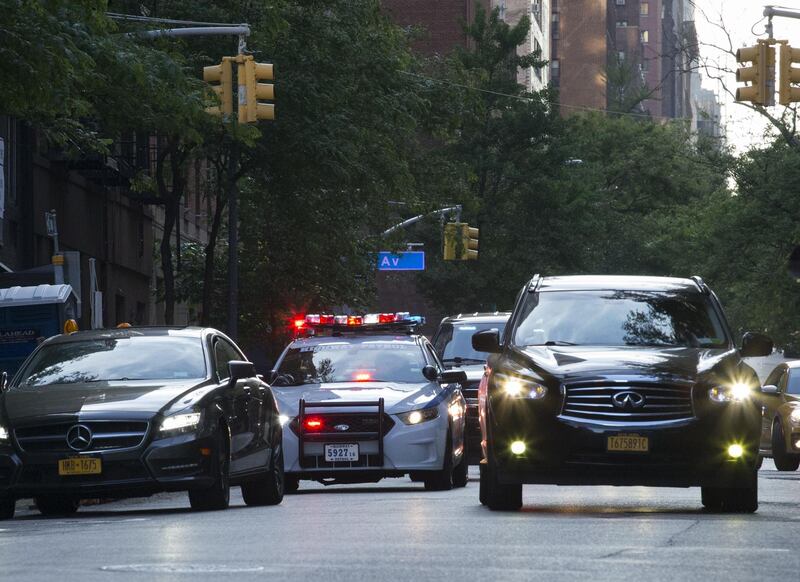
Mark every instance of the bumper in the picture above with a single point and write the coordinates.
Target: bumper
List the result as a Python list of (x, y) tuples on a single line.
[(171, 464), (405, 449)]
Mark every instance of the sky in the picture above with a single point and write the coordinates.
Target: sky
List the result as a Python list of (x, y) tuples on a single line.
[(744, 21)]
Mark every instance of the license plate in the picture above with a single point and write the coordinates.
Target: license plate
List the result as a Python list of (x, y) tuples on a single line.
[(348, 452), (628, 443), (80, 466)]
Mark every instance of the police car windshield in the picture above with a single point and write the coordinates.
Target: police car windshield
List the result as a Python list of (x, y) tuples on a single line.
[(453, 343), (619, 318), (374, 361), (105, 360)]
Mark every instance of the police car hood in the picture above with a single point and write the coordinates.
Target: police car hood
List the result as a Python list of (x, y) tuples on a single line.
[(397, 396)]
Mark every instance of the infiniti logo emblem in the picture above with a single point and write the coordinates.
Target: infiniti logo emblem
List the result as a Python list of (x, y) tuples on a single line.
[(79, 437), (627, 400), (342, 427)]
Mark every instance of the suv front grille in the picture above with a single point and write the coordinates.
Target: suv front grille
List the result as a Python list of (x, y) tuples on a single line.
[(628, 403), (106, 435)]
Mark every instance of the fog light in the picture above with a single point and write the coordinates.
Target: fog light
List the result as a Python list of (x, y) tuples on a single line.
[(735, 451), (518, 447), (797, 444)]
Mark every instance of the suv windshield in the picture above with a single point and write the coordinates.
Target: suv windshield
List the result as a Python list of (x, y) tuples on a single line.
[(453, 342), (619, 318), (378, 361), (129, 358)]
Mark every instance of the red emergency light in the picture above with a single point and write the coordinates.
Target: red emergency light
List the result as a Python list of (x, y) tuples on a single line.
[(313, 423)]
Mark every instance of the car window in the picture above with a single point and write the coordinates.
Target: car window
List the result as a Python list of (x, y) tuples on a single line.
[(116, 359), (224, 353), (454, 344), (793, 384), (370, 361), (774, 377), (619, 318)]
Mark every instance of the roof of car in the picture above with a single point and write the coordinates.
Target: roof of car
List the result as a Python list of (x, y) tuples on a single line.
[(489, 317), (792, 363), (617, 282), (126, 332), (355, 338)]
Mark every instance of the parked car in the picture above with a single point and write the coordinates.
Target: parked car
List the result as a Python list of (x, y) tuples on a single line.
[(131, 412), (780, 428)]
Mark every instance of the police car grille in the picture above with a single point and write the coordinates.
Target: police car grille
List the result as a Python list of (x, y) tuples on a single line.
[(363, 462), (348, 423), (106, 435), (595, 402)]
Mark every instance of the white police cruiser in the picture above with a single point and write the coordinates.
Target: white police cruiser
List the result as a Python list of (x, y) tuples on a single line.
[(366, 398)]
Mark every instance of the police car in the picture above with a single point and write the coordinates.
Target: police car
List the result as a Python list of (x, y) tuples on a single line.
[(365, 398)]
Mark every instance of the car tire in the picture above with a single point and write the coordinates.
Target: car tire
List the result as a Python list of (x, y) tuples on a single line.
[(291, 483), (759, 462), (501, 496), (784, 461), (7, 508), (56, 505), (442, 480), (742, 498), (461, 471), (482, 484), (266, 489), (218, 495)]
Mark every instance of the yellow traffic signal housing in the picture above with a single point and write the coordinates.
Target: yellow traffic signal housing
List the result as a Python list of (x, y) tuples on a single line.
[(760, 76), (251, 91), (222, 74), (460, 242), (789, 75)]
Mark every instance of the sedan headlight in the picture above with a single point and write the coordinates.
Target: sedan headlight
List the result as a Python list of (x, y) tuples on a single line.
[(735, 392), (180, 422), (519, 387), (3, 434), (418, 416), (794, 416)]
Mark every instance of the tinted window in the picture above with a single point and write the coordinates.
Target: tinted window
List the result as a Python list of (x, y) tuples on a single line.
[(454, 341), (224, 353), (793, 386), (378, 361), (130, 358), (619, 318)]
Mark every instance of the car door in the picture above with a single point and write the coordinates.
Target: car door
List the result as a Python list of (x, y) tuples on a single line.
[(457, 426), (770, 403), (791, 391)]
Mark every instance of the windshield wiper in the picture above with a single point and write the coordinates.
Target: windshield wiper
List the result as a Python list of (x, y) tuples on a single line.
[(123, 379), (460, 360), (555, 343)]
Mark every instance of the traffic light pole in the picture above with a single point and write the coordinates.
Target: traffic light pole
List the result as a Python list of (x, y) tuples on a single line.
[(415, 219), (233, 239)]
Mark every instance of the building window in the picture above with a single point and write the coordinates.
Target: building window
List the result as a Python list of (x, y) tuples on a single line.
[(620, 2), (621, 55), (536, 10), (555, 17), (622, 23), (645, 36), (644, 9)]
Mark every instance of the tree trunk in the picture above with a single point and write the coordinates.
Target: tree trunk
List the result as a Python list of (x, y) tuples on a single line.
[(208, 270), (166, 265)]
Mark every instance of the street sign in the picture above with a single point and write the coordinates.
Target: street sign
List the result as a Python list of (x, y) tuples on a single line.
[(405, 261)]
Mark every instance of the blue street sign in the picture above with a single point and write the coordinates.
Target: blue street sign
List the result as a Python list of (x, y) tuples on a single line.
[(406, 261)]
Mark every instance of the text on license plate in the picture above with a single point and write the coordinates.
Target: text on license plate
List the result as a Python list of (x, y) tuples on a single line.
[(80, 466), (628, 443), (344, 452)]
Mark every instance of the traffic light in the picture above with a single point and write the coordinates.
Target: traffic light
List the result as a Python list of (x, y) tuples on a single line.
[(251, 91), (222, 74), (789, 75), (460, 242), (761, 75)]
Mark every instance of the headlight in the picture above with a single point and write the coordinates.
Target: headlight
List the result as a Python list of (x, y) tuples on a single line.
[(180, 422), (283, 419), (418, 416), (794, 417), (3, 434), (518, 387), (736, 392)]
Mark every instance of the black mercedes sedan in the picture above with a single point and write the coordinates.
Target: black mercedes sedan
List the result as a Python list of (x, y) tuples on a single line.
[(132, 412), (620, 381)]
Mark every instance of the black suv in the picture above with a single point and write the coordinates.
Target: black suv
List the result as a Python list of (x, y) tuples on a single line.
[(453, 343), (620, 381)]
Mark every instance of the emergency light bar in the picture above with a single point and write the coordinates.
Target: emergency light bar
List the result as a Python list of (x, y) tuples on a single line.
[(370, 321)]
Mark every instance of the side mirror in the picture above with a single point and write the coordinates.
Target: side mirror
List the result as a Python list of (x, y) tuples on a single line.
[(487, 341), (755, 345), (239, 370), (3, 382), (430, 372), (453, 377), (770, 389)]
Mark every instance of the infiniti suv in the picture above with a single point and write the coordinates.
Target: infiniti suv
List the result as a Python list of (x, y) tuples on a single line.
[(619, 381)]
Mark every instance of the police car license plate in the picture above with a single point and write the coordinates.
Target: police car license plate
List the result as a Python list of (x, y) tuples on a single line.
[(628, 443), (343, 452), (80, 466)]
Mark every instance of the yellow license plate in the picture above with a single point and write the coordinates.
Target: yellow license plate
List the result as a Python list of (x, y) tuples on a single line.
[(80, 466), (628, 443)]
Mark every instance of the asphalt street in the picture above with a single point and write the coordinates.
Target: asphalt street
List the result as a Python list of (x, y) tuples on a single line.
[(395, 530)]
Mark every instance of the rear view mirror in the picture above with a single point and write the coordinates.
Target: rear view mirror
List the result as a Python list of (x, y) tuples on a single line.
[(755, 345), (453, 377), (770, 389), (239, 370), (487, 341)]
